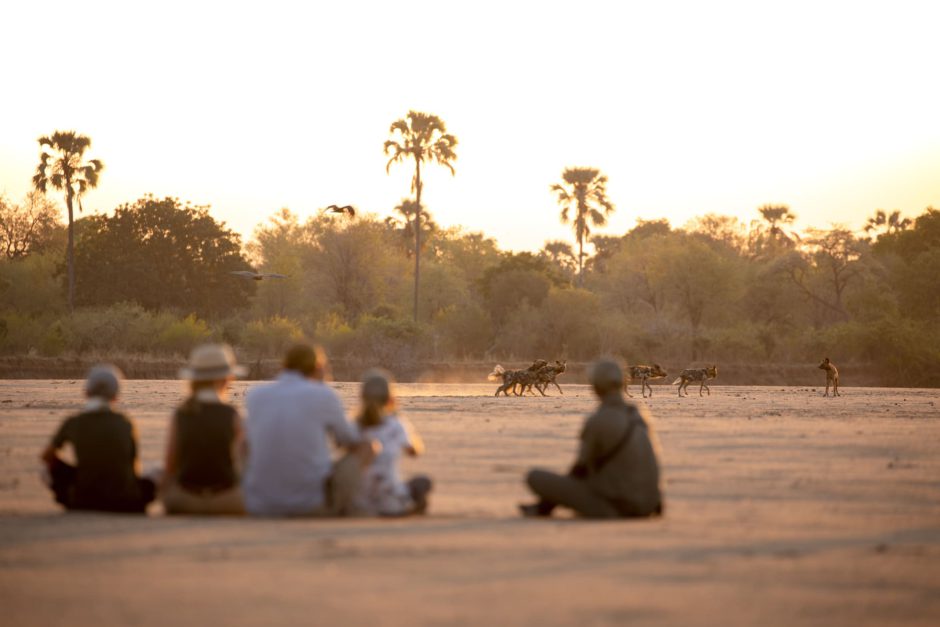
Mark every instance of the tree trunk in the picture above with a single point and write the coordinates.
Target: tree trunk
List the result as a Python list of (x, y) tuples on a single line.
[(70, 254), (580, 259), (417, 233)]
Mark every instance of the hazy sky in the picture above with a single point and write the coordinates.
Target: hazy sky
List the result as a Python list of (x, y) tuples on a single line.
[(688, 107)]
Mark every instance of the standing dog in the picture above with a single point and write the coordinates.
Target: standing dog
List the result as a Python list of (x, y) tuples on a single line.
[(643, 373), (832, 376), (696, 374)]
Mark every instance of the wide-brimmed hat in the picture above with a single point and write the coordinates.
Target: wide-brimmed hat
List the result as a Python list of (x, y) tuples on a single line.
[(211, 362)]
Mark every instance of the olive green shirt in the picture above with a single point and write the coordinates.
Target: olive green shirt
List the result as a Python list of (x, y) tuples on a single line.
[(631, 475)]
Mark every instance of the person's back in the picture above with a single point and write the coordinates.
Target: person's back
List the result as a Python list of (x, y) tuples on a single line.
[(616, 473), (105, 452), (205, 432), (289, 458), (105, 446), (381, 489), (621, 437)]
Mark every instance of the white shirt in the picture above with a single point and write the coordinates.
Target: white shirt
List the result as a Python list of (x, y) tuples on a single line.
[(382, 491), (289, 457)]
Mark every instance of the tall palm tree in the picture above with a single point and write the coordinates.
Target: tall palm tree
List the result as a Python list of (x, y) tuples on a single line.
[(424, 138), (583, 193), (62, 165), (404, 221), (892, 223), (777, 215)]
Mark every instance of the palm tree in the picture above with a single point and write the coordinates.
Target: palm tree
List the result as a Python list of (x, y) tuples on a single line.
[(422, 137), (404, 223), (892, 223), (62, 165), (776, 215), (585, 193)]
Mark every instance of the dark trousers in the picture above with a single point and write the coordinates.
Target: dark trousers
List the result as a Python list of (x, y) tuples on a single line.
[(568, 491), (64, 477)]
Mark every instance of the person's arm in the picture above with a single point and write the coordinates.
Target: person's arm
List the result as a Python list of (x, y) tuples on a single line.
[(136, 457), (344, 432), (170, 466), (586, 451), (239, 444), (49, 454), (414, 445)]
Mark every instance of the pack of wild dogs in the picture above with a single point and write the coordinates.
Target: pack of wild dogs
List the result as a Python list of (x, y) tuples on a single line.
[(541, 374)]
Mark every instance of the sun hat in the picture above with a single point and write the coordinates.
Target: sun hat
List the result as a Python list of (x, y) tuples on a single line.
[(210, 362), (103, 380), (605, 375), (376, 385)]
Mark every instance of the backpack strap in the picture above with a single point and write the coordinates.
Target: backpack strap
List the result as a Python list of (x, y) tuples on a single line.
[(609, 455)]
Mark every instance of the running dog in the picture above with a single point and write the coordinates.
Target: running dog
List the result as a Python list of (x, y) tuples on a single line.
[(508, 378), (545, 376), (539, 375), (832, 376), (696, 374), (643, 373)]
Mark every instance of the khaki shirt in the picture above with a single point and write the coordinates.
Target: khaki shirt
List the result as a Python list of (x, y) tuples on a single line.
[(631, 476)]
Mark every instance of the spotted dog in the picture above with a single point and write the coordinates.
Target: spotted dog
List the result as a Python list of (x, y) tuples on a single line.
[(507, 377), (544, 376), (539, 375), (696, 374), (643, 373), (832, 376), (548, 374)]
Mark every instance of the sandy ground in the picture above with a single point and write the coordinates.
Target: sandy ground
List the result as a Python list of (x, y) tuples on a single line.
[(783, 508)]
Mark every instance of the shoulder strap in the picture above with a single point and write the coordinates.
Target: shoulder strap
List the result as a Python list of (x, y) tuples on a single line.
[(609, 455)]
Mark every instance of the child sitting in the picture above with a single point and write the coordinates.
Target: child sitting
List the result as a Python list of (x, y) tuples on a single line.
[(382, 491), (105, 444)]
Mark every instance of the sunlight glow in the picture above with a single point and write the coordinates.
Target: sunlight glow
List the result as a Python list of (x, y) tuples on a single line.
[(689, 108)]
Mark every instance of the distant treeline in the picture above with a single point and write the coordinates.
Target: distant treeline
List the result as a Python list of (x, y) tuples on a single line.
[(154, 278)]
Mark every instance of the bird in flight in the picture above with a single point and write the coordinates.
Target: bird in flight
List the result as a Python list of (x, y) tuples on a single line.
[(258, 276), (345, 209)]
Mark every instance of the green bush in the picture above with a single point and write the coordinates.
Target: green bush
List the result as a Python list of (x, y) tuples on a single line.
[(181, 336), (269, 338)]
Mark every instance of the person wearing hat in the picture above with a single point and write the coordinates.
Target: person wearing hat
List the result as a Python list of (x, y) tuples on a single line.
[(289, 470), (616, 473), (105, 477), (201, 475), (381, 489)]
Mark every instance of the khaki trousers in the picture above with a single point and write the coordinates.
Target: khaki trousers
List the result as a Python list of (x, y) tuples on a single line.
[(177, 500)]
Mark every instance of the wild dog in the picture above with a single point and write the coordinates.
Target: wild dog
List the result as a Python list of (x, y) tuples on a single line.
[(508, 378), (696, 374), (545, 376), (832, 376), (643, 373), (530, 377), (548, 374)]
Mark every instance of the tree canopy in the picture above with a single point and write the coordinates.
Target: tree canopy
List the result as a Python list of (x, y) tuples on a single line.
[(161, 254)]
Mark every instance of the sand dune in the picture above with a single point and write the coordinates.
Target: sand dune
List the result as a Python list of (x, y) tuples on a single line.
[(782, 508)]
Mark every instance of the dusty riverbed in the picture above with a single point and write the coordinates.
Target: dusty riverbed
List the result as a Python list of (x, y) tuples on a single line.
[(783, 507)]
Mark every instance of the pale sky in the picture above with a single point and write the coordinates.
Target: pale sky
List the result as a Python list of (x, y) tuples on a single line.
[(689, 107)]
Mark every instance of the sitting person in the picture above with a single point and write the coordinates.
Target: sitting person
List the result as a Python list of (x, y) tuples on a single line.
[(289, 470), (205, 439), (616, 473), (381, 489), (105, 477)]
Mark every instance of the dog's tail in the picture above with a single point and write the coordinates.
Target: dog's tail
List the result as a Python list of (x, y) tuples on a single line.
[(497, 373), (677, 381)]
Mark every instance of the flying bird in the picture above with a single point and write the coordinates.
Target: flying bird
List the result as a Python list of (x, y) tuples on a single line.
[(258, 276), (346, 209)]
